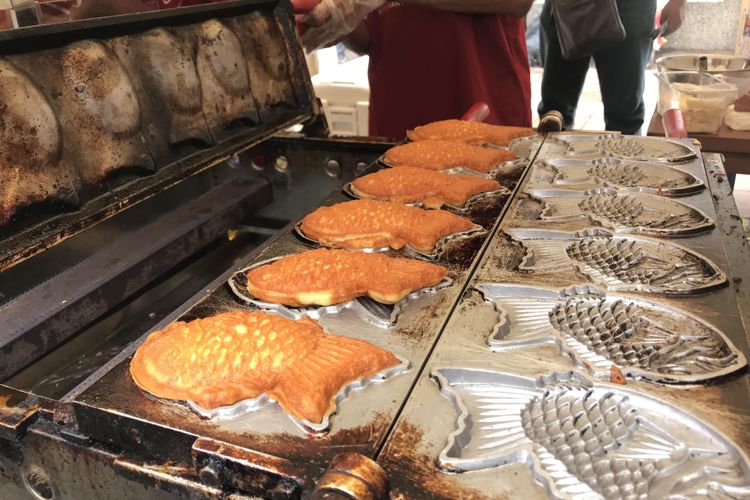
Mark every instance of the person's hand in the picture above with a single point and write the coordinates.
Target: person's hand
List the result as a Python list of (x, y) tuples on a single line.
[(674, 12), (331, 20)]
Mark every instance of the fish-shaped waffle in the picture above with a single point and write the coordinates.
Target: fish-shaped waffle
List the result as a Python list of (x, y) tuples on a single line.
[(625, 263), (641, 213), (612, 334), (220, 360), (444, 155), (418, 185), (476, 133), (325, 277), (363, 224), (583, 440)]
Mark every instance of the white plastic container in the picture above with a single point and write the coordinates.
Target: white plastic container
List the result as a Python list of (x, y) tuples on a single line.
[(702, 98)]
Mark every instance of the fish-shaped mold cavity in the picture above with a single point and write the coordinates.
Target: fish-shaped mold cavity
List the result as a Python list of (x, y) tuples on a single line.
[(623, 174), (165, 74), (638, 148), (225, 81), (31, 170), (583, 440), (619, 263), (612, 334), (100, 112), (268, 60), (625, 213)]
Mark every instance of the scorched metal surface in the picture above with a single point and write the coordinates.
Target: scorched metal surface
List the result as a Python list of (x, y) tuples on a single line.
[(464, 430), (114, 410)]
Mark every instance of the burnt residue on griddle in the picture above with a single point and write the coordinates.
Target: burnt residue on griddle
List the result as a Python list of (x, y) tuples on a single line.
[(415, 475), (318, 450), (528, 209), (461, 252), (509, 177), (506, 253), (485, 210), (423, 325)]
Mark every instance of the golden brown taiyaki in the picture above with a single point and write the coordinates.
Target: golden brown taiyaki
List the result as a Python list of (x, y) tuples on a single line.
[(469, 132), (376, 224), (223, 359), (443, 155), (418, 185), (324, 277)]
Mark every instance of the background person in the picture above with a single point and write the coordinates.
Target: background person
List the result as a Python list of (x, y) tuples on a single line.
[(431, 59)]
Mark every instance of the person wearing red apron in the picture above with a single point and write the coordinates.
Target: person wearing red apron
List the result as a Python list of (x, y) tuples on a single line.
[(429, 62)]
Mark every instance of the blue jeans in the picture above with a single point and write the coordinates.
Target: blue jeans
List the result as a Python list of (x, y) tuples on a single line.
[(620, 68)]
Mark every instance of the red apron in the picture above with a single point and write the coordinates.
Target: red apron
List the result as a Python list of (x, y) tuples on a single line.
[(428, 65)]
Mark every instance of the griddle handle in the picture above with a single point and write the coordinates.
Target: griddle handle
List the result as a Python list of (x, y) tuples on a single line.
[(477, 113), (673, 121), (352, 476)]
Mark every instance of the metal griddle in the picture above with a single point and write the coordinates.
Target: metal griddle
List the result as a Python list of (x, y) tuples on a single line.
[(150, 249)]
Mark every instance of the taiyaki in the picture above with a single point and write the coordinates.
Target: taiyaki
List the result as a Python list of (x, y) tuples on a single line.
[(476, 133), (642, 213), (601, 331), (324, 277), (444, 155), (222, 359), (418, 185), (584, 440), (376, 224), (625, 263)]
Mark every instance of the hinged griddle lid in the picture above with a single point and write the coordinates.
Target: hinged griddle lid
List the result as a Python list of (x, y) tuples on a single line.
[(100, 114)]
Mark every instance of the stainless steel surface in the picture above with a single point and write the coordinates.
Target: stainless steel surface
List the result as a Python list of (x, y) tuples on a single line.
[(729, 227), (628, 263), (623, 213), (592, 147), (626, 176), (361, 421), (611, 334), (43, 317), (586, 440), (109, 127), (711, 63), (717, 413), (111, 409)]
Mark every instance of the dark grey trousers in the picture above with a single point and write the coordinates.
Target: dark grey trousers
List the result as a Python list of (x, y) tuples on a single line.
[(620, 69)]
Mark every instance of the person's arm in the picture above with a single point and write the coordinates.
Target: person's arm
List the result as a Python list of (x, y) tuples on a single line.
[(358, 40), (674, 12), (516, 8)]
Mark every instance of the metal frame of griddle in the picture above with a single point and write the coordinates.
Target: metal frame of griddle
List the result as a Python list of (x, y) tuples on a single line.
[(180, 443), (19, 242), (144, 473), (189, 481), (463, 345)]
